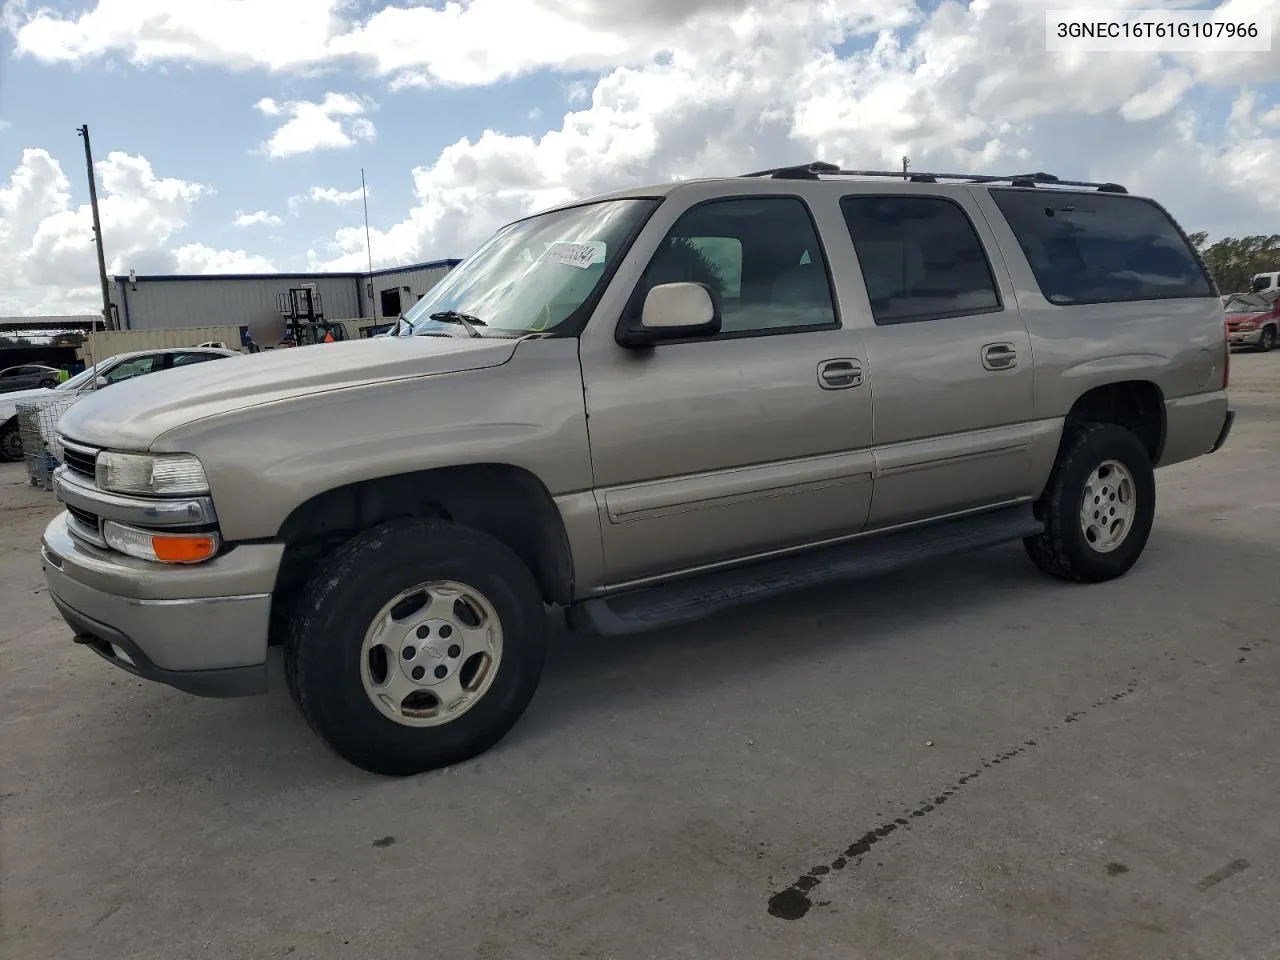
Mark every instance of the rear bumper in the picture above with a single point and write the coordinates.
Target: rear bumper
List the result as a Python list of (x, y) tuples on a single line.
[(202, 629), (1193, 424), (1226, 431)]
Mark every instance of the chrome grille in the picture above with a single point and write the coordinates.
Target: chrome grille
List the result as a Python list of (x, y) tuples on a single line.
[(79, 459), (85, 525), (84, 516)]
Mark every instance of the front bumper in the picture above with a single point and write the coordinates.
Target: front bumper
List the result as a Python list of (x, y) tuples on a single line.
[(202, 628), (1244, 338)]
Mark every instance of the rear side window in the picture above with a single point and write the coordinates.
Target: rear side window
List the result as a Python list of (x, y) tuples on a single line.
[(920, 257), (1101, 248)]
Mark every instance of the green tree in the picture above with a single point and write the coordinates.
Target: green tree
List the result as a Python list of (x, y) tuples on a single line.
[(688, 257), (1234, 260)]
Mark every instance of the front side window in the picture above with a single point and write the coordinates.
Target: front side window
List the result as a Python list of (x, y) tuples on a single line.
[(760, 255), (1101, 248), (133, 368), (536, 275), (921, 258)]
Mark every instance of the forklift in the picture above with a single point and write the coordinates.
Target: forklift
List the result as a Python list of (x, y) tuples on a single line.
[(301, 324)]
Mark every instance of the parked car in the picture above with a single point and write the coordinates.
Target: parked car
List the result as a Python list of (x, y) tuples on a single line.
[(1253, 320), (642, 408), (27, 377), (123, 366), (1262, 282)]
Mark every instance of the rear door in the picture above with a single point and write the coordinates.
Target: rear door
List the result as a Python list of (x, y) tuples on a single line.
[(949, 354), (754, 440)]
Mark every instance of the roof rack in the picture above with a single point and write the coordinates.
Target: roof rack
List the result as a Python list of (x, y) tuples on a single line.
[(817, 169)]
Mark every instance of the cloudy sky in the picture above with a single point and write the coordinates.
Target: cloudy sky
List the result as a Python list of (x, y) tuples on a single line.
[(230, 134)]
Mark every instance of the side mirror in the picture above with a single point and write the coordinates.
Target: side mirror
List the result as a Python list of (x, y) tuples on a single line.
[(672, 311)]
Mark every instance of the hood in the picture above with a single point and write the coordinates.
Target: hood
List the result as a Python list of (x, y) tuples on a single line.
[(132, 414), (1233, 318), (7, 400)]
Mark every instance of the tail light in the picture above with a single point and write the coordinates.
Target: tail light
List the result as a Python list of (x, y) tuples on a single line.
[(1226, 356)]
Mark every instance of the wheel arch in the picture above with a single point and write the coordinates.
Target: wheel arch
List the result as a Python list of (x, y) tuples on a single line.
[(508, 502), (1137, 405)]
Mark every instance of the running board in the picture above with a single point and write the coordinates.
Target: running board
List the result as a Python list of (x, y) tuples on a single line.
[(680, 601)]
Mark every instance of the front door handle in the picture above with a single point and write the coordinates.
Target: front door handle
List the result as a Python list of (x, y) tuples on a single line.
[(839, 374), (999, 356)]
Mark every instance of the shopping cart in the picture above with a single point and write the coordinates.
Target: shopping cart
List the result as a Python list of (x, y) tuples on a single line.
[(37, 426)]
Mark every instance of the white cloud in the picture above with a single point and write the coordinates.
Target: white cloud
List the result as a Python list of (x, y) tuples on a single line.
[(334, 123), (463, 43), (703, 87), (197, 258), (328, 195), (970, 88), (257, 217), (47, 244)]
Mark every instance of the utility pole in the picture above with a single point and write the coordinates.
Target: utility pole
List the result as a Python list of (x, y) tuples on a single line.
[(368, 244), (905, 163), (97, 229)]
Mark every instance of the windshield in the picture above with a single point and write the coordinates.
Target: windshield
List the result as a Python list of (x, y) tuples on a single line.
[(531, 276), (79, 380), (1246, 305)]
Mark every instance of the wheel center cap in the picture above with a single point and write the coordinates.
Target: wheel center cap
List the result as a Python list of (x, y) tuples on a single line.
[(431, 652)]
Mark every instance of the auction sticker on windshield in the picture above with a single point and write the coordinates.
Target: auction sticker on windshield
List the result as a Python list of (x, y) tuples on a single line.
[(582, 254)]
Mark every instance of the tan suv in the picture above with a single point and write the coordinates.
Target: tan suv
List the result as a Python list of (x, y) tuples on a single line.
[(641, 409)]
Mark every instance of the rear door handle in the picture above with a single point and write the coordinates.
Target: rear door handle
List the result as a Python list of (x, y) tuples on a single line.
[(839, 374), (999, 356)]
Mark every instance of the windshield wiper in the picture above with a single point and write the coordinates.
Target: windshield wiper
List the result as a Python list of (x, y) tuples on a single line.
[(465, 319)]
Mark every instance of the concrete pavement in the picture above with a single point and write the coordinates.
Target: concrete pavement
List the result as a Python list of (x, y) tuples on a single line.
[(966, 760)]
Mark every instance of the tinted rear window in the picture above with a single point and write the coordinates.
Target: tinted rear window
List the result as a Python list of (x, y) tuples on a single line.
[(1100, 248)]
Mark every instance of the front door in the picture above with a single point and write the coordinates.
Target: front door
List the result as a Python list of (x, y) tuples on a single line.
[(950, 356), (751, 441)]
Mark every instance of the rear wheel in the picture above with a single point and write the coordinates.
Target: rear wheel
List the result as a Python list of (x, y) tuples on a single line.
[(1098, 506), (10, 442), (1267, 340), (417, 645), (48, 384)]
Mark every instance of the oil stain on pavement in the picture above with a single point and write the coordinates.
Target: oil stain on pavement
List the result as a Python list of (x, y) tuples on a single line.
[(794, 902)]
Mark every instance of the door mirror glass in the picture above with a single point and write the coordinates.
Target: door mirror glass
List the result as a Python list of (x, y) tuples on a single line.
[(673, 311)]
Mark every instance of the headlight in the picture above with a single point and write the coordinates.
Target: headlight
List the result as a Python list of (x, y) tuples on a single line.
[(168, 474), (56, 448), (160, 547)]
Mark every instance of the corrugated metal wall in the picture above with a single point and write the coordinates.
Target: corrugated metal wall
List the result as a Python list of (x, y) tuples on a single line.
[(108, 344), (163, 304), (419, 281)]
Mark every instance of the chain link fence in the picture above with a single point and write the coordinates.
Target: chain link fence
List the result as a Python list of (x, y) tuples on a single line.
[(37, 426)]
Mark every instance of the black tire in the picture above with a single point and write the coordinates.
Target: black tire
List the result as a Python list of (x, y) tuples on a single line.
[(323, 649), (1062, 550), (48, 384), (1267, 340), (10, 442)]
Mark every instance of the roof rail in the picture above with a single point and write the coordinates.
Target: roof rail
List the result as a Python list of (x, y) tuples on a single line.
[(817, 169)]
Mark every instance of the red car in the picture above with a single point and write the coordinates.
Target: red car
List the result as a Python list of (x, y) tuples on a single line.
[(1253, 320)]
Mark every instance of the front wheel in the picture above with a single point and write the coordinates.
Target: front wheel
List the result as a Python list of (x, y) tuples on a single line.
[(48, 384), (1098, 506), (1267, 340), (417, 645)]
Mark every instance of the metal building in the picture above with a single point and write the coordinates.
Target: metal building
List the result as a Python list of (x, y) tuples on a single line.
[(217, 300)]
